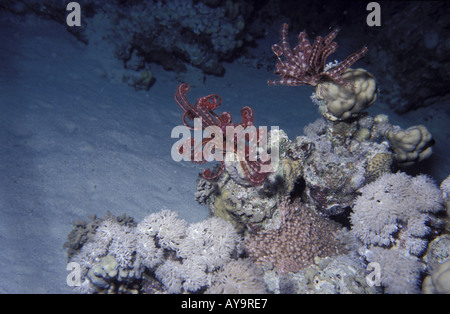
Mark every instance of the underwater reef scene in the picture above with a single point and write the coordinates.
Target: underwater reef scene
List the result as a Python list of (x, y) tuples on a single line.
[(225, 147)]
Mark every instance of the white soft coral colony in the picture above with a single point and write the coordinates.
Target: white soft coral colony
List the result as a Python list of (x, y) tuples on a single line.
[(396, 207)]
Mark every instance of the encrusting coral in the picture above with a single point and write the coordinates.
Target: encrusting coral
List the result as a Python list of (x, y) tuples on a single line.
[(377, 166), (301, 236), (341, 274), (336, 161)]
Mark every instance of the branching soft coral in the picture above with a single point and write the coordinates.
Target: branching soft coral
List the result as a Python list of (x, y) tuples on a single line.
[(396, 208), (399, 273), (161, 254)]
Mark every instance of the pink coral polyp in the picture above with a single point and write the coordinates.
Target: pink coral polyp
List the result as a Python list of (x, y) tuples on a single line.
[(302, 235)]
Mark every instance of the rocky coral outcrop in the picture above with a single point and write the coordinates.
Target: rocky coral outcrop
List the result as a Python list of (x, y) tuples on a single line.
[(301, 236)]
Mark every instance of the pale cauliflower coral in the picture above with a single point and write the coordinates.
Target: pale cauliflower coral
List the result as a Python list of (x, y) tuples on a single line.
[(396, 210)]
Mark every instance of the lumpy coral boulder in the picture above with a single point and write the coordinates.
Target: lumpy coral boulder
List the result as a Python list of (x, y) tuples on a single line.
[(411, 145), (439, 281), (344, 101)]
